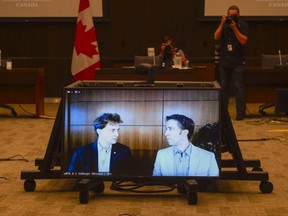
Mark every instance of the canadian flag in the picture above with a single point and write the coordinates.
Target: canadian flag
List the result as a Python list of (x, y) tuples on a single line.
[(86, 58)]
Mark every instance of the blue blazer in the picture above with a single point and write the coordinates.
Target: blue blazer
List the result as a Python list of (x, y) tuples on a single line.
[(85, 159), (202, 163)]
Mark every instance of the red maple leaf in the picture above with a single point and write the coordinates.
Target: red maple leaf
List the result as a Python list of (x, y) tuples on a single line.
[(84, 40)]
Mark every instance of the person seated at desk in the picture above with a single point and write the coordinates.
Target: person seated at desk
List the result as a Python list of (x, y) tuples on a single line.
[(168, 50)]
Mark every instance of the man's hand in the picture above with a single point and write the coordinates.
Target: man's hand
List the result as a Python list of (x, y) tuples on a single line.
[(233, 25), (223, 20)]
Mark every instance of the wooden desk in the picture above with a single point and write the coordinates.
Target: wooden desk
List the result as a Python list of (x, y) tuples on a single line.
[(198, 72), (261, 83), (23, 86)]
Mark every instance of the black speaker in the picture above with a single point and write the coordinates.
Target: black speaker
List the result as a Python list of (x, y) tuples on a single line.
[(281, 101)]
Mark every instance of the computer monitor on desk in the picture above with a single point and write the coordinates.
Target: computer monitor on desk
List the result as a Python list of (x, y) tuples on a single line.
[(153, 60), (147, 66)]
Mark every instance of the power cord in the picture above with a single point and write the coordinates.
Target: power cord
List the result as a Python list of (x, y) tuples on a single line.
[(260, 139), (136, 186), (1, 177), (263, 139), (14, 158), (34, 115)]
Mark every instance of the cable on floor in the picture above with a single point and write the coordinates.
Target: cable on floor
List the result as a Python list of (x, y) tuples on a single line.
[(136, 186), (34, 115), (15, 158), (1, 177)]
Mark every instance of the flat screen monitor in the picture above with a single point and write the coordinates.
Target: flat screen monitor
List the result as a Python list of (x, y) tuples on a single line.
[(169, 131)]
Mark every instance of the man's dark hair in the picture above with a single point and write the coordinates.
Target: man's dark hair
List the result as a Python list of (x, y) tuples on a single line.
[(184, 123), (234, 7), (101, 121)]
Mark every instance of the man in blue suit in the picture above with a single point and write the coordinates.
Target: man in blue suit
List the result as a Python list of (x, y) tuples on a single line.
[(105, 155), (182, 158)]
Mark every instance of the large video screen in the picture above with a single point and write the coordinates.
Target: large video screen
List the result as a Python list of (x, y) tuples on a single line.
[(114, 130), (269, 9)]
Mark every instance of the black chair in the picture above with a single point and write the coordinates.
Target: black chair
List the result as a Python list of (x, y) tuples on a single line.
[(281, 101), (271, 61)]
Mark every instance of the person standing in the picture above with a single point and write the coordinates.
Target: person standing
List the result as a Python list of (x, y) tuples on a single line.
[(233, 36)]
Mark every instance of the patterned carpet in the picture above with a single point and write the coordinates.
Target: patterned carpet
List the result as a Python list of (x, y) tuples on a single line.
[(26, 138)]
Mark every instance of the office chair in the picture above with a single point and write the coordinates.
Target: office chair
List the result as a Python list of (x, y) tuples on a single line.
[(281, 101), (271, 61)]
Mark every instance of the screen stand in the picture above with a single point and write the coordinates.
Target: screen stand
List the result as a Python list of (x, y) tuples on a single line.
[(230, 144), (85, 185), (52, 156)]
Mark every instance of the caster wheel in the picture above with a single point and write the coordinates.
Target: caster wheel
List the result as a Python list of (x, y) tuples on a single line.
[(257, 169), (192, 199), (181, 188), (29, 185), (266, 187), (83, 197), (99, 188)]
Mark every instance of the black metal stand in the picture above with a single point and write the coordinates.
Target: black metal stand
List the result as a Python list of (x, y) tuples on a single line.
[(231, 145), (53, 158)]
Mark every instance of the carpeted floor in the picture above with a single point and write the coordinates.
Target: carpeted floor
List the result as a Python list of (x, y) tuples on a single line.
[(26, 138)]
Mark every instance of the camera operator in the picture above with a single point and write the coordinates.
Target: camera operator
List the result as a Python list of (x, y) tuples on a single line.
[(168, 50), (233, 35)]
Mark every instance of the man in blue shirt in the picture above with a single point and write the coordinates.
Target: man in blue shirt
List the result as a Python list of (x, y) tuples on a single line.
[(233, 35), (182, 158)]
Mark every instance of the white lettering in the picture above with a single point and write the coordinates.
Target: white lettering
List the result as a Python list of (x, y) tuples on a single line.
[(278, 4), (27, 5)]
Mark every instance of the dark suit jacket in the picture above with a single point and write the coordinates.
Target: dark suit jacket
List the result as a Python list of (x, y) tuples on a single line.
[(85, 159)]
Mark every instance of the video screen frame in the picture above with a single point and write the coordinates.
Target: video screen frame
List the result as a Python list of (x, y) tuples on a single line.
[(186, 98)]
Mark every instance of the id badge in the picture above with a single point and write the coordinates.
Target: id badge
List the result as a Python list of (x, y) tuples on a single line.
[(229, 47)]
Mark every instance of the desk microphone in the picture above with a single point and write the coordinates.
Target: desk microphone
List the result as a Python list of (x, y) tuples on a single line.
[(280, 58)]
